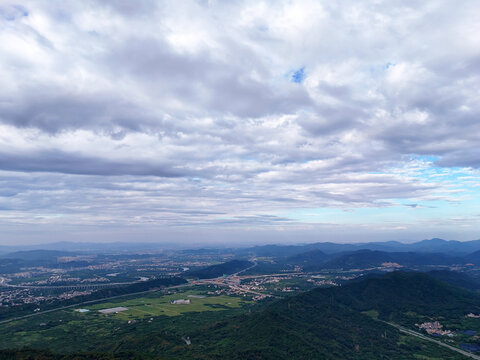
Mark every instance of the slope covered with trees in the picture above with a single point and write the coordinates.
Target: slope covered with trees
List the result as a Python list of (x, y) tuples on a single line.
[(325, 323), (213, 271)]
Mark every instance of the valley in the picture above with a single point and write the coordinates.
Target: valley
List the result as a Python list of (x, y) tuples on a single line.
[(365, 304)]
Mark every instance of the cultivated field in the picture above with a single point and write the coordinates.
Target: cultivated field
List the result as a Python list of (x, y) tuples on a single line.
[(155, 305), (68, 330)]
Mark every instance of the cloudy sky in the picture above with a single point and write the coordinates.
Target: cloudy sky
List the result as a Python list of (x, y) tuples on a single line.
[(229, 121)]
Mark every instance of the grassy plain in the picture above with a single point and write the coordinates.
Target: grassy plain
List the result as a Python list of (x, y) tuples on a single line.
[(68, 331), (154, 305)]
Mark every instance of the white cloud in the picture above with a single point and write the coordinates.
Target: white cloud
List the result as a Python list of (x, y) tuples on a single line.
[(197, 98)]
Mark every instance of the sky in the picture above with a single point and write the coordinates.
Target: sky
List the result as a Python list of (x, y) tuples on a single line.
[(239, 121)]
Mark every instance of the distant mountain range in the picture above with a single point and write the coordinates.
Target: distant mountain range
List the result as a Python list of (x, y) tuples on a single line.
[(432, 245), (13, 262), (375, 258), (317, 260), (36, 255), (89, 247), (311, 257)]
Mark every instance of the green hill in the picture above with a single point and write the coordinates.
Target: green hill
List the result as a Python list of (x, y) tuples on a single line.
[(324, 323), (456, 278), (369, 258), (213, 271), (13, 262), (398, 293), (308, 259), (330, 323)]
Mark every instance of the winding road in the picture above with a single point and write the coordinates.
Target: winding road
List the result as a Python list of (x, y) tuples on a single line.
[(423, 337)]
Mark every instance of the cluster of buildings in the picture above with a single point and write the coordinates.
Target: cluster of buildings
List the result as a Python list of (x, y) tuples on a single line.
[(180, 302), (325, 282), (259, 281), (434, 328), (17, 297), (72, 294), (25, 296), (62, 280)]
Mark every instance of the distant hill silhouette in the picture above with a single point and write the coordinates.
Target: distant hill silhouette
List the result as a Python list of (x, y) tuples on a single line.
[(213, 271), (41, 254), (435, 245), (456, 278), (309, 257), (369, 258)]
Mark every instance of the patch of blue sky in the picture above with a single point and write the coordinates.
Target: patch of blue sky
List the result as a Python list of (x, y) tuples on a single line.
[(13, 12), (429, 158), (249, 159), (455, 193), (298, 75), (379, 69), (461, 178), (353, 215), (195, 179), (401, 211), (424, 169), (225, 218)]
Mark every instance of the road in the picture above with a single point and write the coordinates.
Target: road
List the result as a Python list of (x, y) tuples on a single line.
[(217, 282), (423, 337), (239, 272), (88, 302), (253, 292), (3, 282), (220, 281)]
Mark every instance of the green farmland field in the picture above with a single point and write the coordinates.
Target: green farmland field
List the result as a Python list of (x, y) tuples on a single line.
[(68, 331), (153, 305)]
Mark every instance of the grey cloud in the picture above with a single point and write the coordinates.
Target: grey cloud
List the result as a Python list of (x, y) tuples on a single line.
[(259, 220), (53, 110), (465, 158), (197, 122), (128, 8), (206, 84), (329, 120), (60, 162)]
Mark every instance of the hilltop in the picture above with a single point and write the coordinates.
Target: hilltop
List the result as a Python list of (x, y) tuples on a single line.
[(369, 258), (330, 323), (213, 271), (324, 323)]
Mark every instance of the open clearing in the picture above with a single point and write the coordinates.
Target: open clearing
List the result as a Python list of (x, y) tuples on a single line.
[(154, 305), (67, 330)]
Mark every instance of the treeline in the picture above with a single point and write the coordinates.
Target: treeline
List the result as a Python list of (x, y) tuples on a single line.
[(29, 354), (317, 260), (329, 323), (325, 323)]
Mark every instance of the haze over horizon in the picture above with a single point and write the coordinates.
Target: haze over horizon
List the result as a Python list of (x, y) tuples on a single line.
[(253, 121), (154, 245)]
